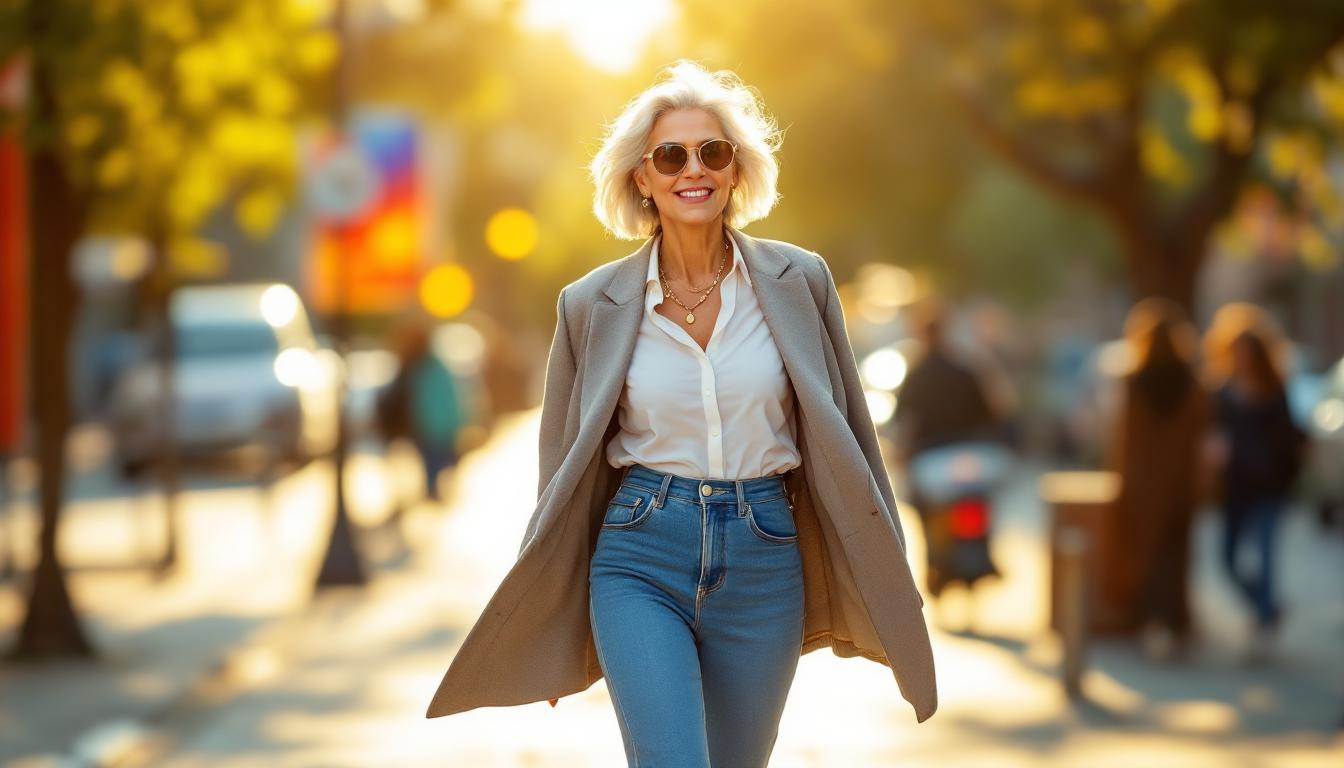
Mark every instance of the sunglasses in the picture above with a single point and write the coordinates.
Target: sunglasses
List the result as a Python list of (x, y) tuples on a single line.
[(669, 159)]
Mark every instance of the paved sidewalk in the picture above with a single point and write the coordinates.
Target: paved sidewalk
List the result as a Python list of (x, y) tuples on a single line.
[(347, 685), (248, 559)]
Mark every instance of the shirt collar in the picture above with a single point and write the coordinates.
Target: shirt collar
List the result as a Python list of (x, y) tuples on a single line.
[(651, 281)]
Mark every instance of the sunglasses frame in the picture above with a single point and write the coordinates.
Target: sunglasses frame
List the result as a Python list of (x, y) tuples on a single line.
[(689, 150)]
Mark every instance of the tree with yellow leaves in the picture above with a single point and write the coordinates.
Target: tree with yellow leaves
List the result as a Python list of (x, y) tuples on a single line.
[(1153, 112), (143, 117)]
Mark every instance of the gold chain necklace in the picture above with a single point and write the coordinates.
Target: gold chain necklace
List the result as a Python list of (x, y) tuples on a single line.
[(690, 311)]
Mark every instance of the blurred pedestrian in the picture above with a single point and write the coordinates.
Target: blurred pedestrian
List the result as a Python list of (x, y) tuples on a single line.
[(1262, 453), (422, 403), (945, 418), (712, 501), (942, 400), (1156, 451)]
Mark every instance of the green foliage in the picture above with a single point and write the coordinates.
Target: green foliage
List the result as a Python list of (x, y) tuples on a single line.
[(167, 108), (1149, 111)]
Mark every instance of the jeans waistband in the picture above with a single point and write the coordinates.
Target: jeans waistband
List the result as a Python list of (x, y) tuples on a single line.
[(666, 484)]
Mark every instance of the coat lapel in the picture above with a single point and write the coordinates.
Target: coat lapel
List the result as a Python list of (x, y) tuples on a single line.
[(793, 319), (613, 327)]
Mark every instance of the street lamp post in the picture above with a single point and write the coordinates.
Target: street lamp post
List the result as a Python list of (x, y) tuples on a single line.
[(341, 564)]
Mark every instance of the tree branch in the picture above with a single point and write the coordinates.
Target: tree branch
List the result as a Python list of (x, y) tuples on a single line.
[(1090, 187), (1208, 205)]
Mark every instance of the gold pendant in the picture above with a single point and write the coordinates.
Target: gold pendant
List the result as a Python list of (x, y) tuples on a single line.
[(690, 317)]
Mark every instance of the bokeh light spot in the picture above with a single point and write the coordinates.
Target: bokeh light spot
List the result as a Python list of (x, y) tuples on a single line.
[(447, 290), (511, 233), (279, 305)]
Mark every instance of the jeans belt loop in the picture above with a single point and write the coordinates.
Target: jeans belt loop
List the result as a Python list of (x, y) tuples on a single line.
[(662, 491), (741, 501)]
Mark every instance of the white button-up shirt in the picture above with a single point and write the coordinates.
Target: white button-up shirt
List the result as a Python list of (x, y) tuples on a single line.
[(725, 412)]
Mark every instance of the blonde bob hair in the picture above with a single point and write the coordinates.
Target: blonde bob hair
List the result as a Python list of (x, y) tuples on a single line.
[(686, 85)]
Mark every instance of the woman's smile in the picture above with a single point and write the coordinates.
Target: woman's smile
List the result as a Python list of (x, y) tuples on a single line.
[(695, 194)]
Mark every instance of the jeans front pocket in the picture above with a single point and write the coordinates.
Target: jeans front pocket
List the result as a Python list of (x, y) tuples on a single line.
[(772, 520), (628, 508)]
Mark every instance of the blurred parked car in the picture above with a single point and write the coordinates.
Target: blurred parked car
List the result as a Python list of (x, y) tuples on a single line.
[(1323, 476), (1093, 410), (247, 371)]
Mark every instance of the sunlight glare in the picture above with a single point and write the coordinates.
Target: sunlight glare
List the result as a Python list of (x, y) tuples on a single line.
[(609, 34)]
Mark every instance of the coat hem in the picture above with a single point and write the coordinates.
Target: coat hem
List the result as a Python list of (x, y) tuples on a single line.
[(841, 647)]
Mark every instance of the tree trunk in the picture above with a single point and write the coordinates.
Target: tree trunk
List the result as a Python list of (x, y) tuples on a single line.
[(51, 627), (1157, 266), (1161, 272)]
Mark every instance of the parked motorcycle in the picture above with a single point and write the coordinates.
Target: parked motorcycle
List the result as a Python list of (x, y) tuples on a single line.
[(953, 488)]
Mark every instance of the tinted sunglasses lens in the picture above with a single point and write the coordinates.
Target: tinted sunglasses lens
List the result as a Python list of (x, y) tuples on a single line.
[(716, 154), (669, 158)]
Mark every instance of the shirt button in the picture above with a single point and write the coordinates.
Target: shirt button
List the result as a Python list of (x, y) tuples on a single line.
[(705, 490), (715, 433)]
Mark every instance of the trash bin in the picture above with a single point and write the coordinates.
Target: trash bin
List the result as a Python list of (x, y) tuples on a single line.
[(1078, 502)]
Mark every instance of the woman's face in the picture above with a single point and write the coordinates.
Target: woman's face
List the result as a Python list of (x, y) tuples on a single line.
[(689, 127)]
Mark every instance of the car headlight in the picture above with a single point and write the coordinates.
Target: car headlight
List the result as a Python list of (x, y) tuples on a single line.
[(296, 367), (1329, 415)]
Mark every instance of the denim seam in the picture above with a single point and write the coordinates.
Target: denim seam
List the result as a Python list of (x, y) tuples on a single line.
[(611, 691), (723, 574), (769, 538), (704, 552), (716, 500), (635, 521)]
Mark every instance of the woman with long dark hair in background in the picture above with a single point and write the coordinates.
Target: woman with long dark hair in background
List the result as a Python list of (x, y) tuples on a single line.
[(1156, 452), (1262, 450)]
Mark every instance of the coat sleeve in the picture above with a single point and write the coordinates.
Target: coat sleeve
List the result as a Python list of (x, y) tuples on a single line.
[(860, 420), (560, 370)]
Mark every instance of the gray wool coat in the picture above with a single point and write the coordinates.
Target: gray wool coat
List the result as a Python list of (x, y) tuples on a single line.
[(533, 641)]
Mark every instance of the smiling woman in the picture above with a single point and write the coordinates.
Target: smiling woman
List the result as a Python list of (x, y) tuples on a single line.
[(608, 34), (711, 499)]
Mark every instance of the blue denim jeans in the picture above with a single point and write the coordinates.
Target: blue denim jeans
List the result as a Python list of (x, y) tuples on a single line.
[(696, 603), (1260, 519)]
